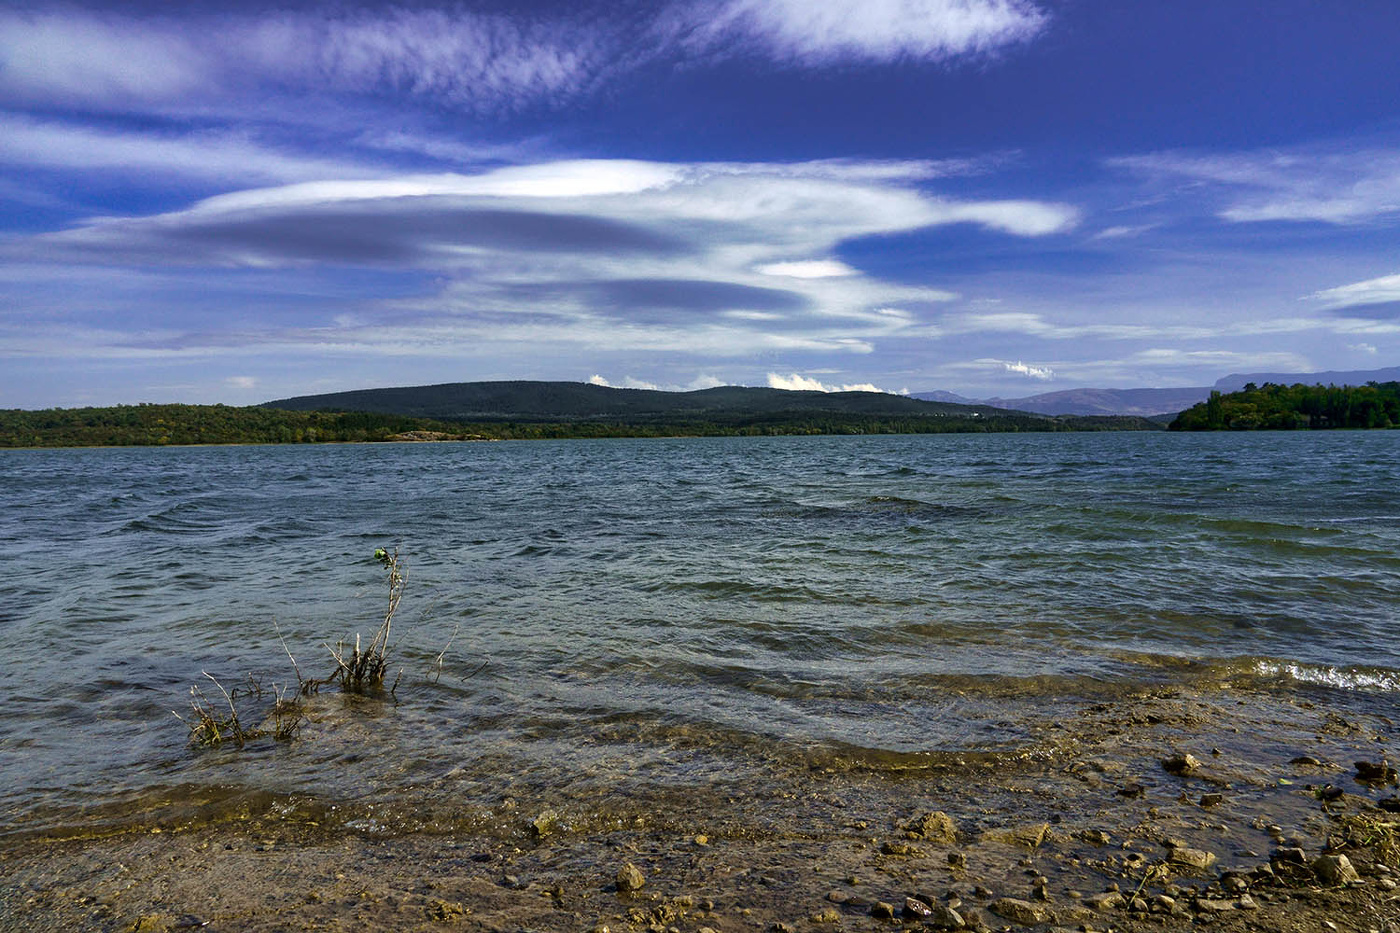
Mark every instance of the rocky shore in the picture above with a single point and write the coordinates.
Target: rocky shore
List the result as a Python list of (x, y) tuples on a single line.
[(1214, 807)]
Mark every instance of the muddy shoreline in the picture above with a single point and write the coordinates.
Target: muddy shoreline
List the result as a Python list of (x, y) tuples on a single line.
[(1174, 808)]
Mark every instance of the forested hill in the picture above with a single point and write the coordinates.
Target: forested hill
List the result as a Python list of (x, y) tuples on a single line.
[(578, 401), (1295, 407), (524, 410)]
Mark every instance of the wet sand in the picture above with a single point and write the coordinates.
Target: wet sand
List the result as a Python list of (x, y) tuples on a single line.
[(1222, 808)]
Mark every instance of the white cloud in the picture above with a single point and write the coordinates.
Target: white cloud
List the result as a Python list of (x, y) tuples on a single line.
[(1034, 372), (241, 382), (188, 58), (819, 32), (797, 383), (148, 155), (1370, 292), (479, 61), (701, 381), (594, 253), (1366, 348), (809, 269), (77, 55), (1122, 232), (1337, 185)]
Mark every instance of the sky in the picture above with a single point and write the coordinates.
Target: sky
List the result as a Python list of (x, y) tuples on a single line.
[(217, 202)]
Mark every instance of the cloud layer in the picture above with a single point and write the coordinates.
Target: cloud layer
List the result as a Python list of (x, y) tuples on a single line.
[(718, 259), (461, 58)]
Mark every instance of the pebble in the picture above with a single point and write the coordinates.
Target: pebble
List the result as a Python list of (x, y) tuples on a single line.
[(1196, 859), (1105, 901), (943, 917), (630, 878), (1182, 764), (545, 823), (1372, 772), (1019, 911), (882, 911), (1335, 870), (935, 827), (1030, 836)]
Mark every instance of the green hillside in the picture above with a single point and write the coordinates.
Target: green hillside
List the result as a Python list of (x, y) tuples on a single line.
[(1295, 407)]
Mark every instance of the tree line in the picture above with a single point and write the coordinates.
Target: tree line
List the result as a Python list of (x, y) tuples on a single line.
[(1295, 407), (177, 424)]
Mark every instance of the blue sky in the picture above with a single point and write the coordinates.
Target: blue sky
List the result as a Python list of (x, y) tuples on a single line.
[(234, 203)]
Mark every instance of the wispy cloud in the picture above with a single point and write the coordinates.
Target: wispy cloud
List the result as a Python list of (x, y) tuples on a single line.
[(1383, 290), (821, 32), (153, 157), (478, 61), (457, 57), (1336, 185)]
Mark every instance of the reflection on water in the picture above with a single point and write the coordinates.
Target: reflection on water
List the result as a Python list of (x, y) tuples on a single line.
[(666, 614)]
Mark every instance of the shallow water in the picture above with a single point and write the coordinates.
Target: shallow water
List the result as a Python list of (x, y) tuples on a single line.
[(663, 614)]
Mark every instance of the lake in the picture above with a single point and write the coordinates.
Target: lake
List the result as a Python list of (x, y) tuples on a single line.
[(618, 618)]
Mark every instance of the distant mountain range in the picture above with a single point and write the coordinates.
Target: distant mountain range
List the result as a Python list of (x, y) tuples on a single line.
[(580, 401), (577, 409), (1149, 402)]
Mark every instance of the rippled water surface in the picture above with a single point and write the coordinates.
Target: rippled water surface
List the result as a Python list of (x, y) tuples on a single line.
[(631, 615)]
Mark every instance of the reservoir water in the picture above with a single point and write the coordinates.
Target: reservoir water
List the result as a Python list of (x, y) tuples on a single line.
[(623, 618)]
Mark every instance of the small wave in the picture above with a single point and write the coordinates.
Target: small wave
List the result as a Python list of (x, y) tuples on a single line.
[(1352, 678)]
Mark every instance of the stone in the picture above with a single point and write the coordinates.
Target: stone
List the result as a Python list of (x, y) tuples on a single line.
[(1019, 911), (1108, 900), (1211, 905), (882, 911), (1370, 772), (1096, 837), (1288, 855), (1193, 859), (943, 917), (1335, 870), (1182, 764), (1030, 836), (1132, 789), (830, 915), (957, 860), (935, 827), (545, 823), (630, 878), (149, 923), (837, 897), (1212, 800), (901, 849)]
